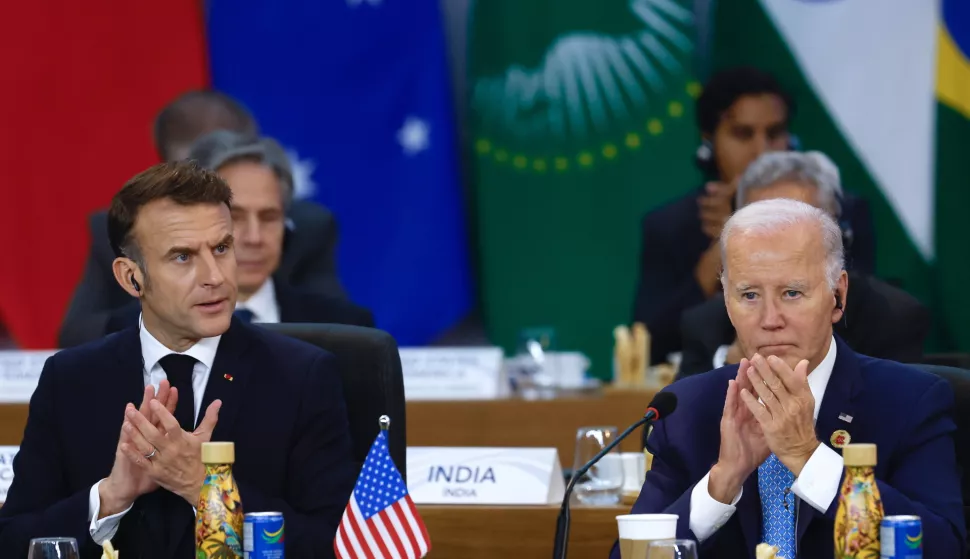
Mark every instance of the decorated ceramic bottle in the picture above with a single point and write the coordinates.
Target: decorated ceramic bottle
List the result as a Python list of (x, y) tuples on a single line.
[(219, 516), (860, 513)]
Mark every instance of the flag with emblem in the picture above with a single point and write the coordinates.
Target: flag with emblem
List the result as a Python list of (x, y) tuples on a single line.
[(582, 120), (358, 92), (894, 114), (381, 520)]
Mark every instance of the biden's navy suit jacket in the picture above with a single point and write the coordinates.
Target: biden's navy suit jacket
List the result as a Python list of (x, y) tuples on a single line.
[(906, 412)]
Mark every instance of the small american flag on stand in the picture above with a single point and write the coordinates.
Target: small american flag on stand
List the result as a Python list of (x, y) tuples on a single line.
[(381, 521)]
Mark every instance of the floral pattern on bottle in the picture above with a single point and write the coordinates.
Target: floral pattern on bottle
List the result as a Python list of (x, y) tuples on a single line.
[(859, 516), (219, 517)]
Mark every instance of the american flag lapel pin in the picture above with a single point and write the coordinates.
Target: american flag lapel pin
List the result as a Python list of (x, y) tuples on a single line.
[(845, 417), (227, 376)]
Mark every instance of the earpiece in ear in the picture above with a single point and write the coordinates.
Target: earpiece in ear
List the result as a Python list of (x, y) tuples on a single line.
[(704, 157), (838, 302), (134, 283), (705, 152)]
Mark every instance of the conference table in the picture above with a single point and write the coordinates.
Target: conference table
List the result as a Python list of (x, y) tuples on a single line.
[(505, 422), (523, 532), (519, 532)]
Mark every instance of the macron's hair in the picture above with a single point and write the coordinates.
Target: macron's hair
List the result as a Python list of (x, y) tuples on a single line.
[(771, 216)]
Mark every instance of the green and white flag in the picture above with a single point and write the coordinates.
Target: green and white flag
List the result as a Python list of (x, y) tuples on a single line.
[(582, 120), (884, 88)]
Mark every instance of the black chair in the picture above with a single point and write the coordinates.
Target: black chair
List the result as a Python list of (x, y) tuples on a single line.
[(373, 383), (959, 379), (958, 360)]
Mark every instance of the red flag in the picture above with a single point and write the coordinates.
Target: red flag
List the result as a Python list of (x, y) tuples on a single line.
[(82, 82)]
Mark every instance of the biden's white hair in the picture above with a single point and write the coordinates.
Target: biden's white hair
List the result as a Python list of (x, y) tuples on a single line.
[(813, 168), (773, 216)]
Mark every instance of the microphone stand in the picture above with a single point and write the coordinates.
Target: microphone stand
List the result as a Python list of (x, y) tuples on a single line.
[(562, 523)]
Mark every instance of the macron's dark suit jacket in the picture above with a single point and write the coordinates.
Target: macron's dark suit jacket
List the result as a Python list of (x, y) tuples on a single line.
[(283, 409), (880, 321), (906, 412), (307, 263), (672, 243), (295, 305)]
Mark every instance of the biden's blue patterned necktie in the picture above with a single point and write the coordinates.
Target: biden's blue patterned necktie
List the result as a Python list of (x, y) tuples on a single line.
[(777, 506)]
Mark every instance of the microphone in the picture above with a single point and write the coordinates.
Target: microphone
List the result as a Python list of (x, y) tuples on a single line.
[(663, 404)]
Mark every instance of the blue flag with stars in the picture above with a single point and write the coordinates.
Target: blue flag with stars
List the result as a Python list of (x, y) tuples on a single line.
[(358, 93)]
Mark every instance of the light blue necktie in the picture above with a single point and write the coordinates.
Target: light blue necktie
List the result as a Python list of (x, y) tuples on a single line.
[(777, 506)]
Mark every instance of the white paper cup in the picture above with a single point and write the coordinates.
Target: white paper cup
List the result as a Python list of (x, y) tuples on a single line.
[(647, 526), (638, 530)]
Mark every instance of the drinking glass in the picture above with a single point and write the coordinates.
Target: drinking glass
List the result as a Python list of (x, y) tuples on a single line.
[(603, 483), (672, 549), (53, 548)]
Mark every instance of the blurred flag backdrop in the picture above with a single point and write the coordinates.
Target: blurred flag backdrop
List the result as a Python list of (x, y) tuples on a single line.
[(83, 81), (358, 91), (580, 120), (886, 93)]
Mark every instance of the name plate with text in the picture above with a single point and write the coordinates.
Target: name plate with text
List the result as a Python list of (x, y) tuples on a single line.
[(19, 373), (452, 373), (484, 476), (6, 469)]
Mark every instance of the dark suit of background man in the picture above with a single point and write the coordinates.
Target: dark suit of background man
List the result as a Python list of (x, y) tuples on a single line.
[(258, 172), (308, 261), (880, 320), (750, 460), (93, 466), (741, 114)]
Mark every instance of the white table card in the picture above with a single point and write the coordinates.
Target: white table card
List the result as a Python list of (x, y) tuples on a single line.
[(6, 469), (19, 373), (452, 373), (484, 476)]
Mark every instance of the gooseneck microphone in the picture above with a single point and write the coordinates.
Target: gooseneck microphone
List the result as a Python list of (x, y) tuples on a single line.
[(663, 404)]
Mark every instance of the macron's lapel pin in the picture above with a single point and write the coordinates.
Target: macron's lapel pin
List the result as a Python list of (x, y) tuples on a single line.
[(845, 417), (840, 438), (227, 376)]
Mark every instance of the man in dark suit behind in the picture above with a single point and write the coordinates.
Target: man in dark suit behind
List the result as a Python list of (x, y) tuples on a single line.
[(200, 375), (742, 113), (903, 323), (308, 259), (750, 438)]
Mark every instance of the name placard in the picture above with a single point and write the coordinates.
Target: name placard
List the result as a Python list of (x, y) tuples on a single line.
[(6, 469), (452, 373), (484, 476), (19, 373)]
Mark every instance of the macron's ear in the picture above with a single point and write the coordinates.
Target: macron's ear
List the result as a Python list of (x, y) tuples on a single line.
[(124, 269)]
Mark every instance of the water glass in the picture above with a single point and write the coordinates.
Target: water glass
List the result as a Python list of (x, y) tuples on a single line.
[(603, 483), (53, 548), (672, 549)]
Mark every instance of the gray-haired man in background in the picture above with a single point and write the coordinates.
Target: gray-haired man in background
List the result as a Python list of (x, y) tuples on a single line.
[(880, 320)]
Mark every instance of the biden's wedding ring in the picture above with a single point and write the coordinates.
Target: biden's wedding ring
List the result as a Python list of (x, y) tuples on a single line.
[(151, 454)]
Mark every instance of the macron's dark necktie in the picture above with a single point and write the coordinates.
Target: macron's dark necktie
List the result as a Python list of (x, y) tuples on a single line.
[(244, 315), (179, 370), (166, 513)]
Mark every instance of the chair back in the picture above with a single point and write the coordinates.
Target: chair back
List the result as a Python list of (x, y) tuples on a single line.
[(373, 382), (959, 379)]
